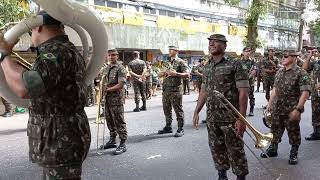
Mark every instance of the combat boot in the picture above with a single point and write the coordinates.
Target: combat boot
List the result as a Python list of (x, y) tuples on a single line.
[(121, 148), (179, 133), (293, 158), (272, 151), (144, 106), (111, 143), (222, 175), (251, 111), (137, 109), (165, 130), (315, 135), (241, 177)]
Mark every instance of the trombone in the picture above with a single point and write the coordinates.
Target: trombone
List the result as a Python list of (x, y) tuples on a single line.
[(261, 140), (98, 117), (20, 60)]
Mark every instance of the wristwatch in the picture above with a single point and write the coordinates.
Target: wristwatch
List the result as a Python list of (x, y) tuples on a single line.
[(300, 110), (2, 56)]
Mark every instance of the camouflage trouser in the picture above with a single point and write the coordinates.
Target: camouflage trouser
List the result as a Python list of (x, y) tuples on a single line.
[(139, 89), (186, 86), (315, 104), (282, 122), (268, 85), (169, 100), (251, 96), (259, 80), (91, 94), (7, 105), (62, 173), (227, 148), (115, 121), (148, 88)]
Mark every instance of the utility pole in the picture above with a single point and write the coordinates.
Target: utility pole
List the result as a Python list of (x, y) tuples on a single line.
[(302, 7)]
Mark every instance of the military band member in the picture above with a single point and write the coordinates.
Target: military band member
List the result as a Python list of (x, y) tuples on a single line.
[(269, 69), (230, 78), (313, 65), (137, 70), (115, 74), (290, 92), (251, 67), (198, 72), (259, 73), (172, 92), (58, 129), (186, 81)]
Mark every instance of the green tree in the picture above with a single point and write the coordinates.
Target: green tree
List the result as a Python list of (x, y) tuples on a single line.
[(11, 11), (257, 9), (315, 26)]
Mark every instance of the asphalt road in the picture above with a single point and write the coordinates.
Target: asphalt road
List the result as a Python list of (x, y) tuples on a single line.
[(163, 157)]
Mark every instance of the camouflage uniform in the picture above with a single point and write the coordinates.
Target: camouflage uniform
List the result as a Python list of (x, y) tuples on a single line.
[(91, 95), (114, 110), (7, 106), (198, 68), (137, 66), (250, 66), (315, 100), (259, 75), (148, 82), (172, 94), (58, 128), (289, 84), (226, 147), (268, 78)]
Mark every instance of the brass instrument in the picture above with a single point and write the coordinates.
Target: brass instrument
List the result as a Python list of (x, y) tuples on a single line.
[(267, 119), (98, 117), (261, 140), (20, 60), (164, 67)]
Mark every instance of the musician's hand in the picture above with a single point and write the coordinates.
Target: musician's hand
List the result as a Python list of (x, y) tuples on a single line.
[(295, 115), (172, 73), (6, 46), (105, 91), (240, 128), (196, 120)]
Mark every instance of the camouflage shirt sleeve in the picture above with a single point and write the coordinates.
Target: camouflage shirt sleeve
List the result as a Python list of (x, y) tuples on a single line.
[(205, 77), (277, 78), (241, 75), (305, 81), (122, 74), (45, 74)]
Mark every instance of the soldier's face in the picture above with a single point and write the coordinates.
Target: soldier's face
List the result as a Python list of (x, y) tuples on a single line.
[(113, 57), (271, 52), (217, 47), (35, 36), (288, 60), (173, 53)]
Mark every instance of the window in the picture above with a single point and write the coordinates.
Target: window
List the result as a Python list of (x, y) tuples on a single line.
[(99, 2), (162, 12), (171, 14), (112, 4), (149, 11)]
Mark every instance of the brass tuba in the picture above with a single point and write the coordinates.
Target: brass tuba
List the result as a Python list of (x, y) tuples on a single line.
[(262, 140), (79, 18)]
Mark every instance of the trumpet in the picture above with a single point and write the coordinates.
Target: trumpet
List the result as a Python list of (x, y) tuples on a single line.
[(261, 140), (98, 117), (20, 60)]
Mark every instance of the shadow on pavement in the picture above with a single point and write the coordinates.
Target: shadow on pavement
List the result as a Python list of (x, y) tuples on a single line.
[(10, 132)]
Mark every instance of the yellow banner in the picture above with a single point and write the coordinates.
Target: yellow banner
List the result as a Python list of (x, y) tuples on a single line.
[(169, 22), (133, 18), (110, 15), (216, 28)]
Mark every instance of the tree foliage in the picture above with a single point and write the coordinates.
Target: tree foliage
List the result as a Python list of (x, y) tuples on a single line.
[(315, 26), (11, 11)]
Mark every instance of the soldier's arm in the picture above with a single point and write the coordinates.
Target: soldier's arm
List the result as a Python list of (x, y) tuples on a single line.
[(121, 81), (307, 65), (13, 74), (272, 97), (305, 88), (184, 71), (242, 83)]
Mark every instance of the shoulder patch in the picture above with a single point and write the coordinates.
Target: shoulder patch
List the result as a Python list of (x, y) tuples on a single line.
[(48, 56)]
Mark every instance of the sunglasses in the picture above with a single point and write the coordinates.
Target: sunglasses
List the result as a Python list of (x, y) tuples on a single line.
[(113, 54), (30, 33), (286, 56)]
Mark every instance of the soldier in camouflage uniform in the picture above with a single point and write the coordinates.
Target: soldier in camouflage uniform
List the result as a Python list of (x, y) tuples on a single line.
[(259, 73), (148, 80), (250, 63), (269, 68), (137, 70), (115, 78), (7, 108), (290, 92), (313, 65), (230, 78), (58, 129), (172, 92), (198, 71)]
